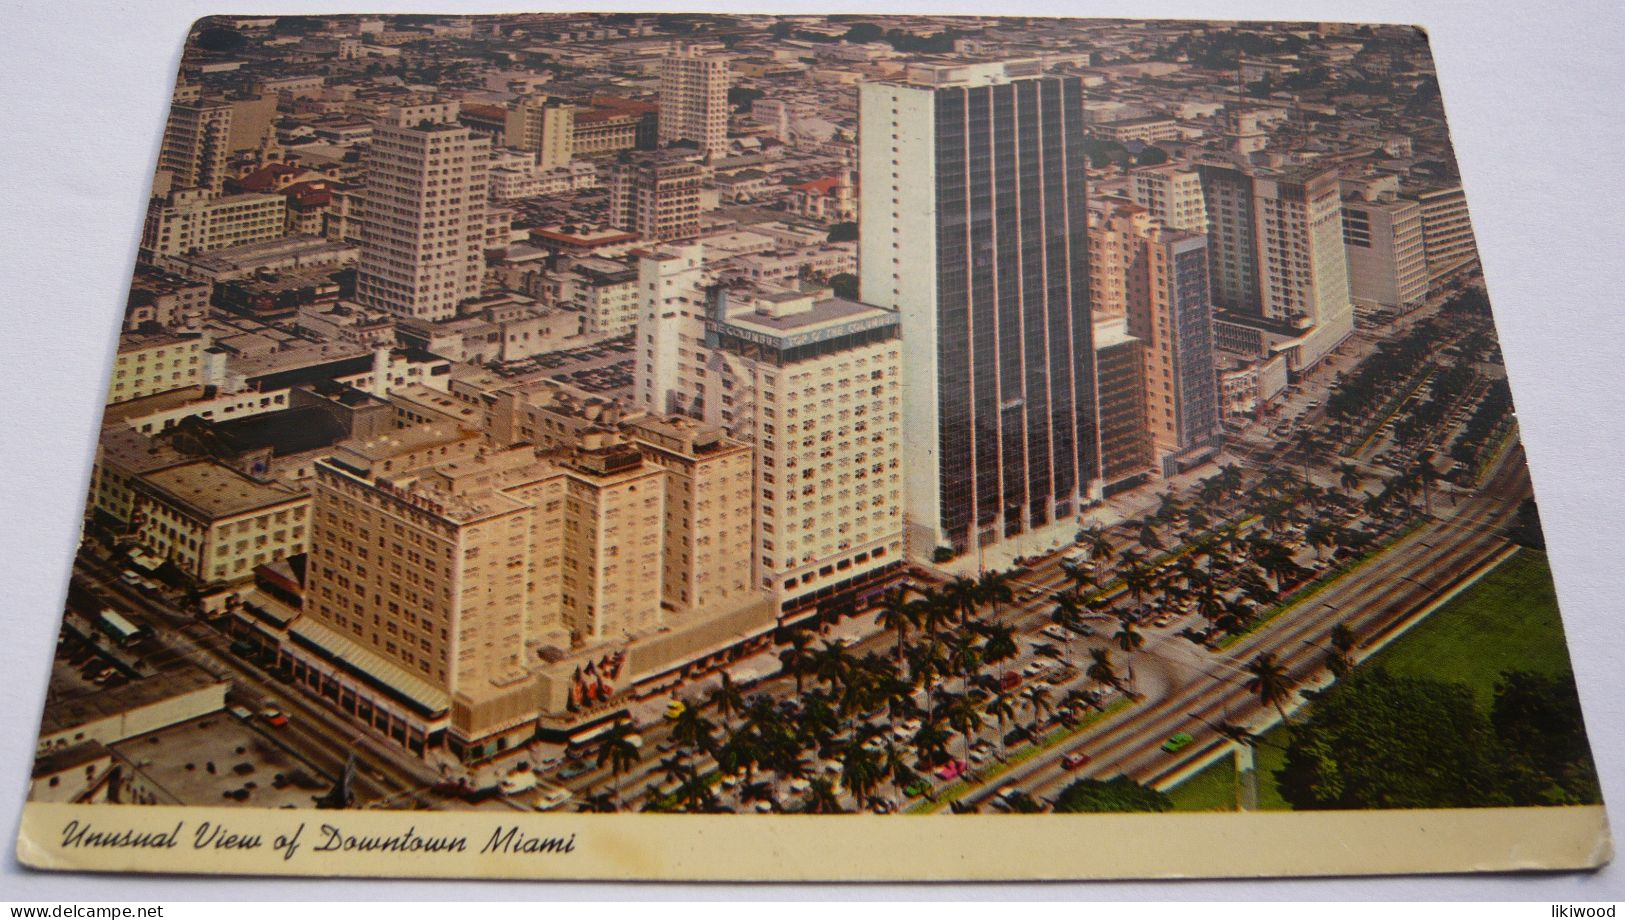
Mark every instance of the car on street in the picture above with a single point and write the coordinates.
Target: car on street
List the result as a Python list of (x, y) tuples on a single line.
[(1074, 761), (675, 709), (1057, 633), (1177, 742), (273, 716), (916, 789), (574, 769), (951, 770)]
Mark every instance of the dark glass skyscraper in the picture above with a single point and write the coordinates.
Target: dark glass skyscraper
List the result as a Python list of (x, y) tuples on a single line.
[(973, 227)]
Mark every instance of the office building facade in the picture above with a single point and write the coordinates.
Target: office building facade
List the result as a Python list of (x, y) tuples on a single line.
[(974, 230)]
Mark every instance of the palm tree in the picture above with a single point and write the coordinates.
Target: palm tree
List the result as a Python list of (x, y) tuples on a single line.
[(1128, 638), (860, 770), (599, 803), (620, 751), (1068, 614), (831, 664), (1320, 535), (726, 699), (797, 657), (994, 588), (963, 716), (898, 614), (1349, 476), (966, 658), (931, 740), (1148, 536), (894, 766), (1100, 550), (740, 752), (1271, 681), (693, 731), (1002, 707), (933, 610), (962, 596), (1137, 577), (821, 798), (1211, 491), (999, 643), (1230, 477), (1038, 697), (1101, 670), (927, 663), (1340, 660)]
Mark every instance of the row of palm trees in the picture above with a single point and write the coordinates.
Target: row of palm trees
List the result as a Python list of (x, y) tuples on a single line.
[(947, 638)]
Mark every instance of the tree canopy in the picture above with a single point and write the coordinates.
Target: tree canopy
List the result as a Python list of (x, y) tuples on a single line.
[(843, 232), (845, 285), (1120, 794), (1380, 741), (1537, 717)]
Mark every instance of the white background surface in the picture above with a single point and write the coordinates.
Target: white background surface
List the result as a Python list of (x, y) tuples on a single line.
[(1536, 99)]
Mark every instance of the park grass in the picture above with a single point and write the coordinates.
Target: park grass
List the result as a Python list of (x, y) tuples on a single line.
[(1507, 620), (1213, 789)]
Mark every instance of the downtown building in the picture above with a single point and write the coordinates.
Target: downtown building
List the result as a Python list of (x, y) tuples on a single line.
[(657, 194), (974, 230), (694, 100), (1156, 279), (1382, 236), (195, 145), (424, 214), (1279, 274), (814, 384)]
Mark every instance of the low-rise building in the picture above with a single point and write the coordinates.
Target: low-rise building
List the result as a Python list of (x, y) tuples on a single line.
[(192, 220), (215, 523), (149, 363)]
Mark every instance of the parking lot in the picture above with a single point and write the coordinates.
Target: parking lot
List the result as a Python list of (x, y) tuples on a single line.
[(222, 759)]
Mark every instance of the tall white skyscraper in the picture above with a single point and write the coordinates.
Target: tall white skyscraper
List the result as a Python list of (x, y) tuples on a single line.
[(974, 229), (423, 216), (694, 100), (1279, 272)]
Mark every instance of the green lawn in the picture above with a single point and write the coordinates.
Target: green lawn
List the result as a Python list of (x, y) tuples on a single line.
[(1213, 789), (1507, 620)]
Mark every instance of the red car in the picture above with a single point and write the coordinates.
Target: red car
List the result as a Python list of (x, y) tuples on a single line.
[(1074, 761), (953, 769)]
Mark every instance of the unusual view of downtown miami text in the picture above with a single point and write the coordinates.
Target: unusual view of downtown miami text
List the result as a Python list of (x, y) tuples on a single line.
[(756, 414)]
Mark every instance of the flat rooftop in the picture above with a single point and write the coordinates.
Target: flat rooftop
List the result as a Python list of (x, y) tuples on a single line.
[(214, 491)]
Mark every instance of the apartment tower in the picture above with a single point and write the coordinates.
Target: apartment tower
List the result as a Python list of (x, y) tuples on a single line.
[(694, 100), (423, 218)]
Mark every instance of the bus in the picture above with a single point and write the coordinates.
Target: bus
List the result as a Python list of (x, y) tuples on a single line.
[(122, 631)]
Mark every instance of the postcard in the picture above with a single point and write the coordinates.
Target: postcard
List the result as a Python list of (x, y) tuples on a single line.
[(748, 447)]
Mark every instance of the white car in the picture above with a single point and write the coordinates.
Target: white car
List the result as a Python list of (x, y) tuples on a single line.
[(517, 782), (1057, 633), (551, 797)]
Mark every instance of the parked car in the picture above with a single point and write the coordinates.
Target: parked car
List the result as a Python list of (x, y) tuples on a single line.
[(551, 797), (518, 781), (952, 770)]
